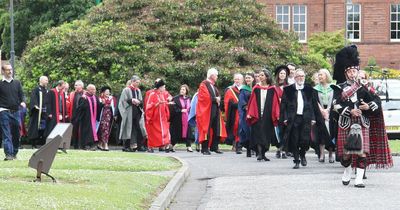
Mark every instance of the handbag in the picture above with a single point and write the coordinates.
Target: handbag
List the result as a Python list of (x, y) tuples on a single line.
[(354, 139)]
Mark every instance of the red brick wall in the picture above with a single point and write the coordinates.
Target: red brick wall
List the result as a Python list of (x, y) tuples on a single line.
[(375, 25)]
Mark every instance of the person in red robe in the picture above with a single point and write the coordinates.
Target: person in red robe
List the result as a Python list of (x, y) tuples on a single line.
[(168, 97), (231, 100), (211, 127), (157, 117)]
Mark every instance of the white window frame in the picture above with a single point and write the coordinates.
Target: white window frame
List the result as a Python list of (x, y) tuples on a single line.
[(281, 23), (353, 21), (299, 22), (397, 22)]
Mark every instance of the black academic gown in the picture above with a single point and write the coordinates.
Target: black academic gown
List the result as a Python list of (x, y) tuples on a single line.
[(288, 112), (176, 120), (34, 121), (262, 132), (84, 121), (51, 110)]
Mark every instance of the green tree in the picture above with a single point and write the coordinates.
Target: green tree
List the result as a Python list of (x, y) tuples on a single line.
[(326, 44), (34, 17), (176, 40)]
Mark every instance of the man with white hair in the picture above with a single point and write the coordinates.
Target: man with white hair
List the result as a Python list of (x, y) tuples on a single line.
[(231, 100), (73, 100), (298, 113), (38, 113), (87, 116), (211, 127), (130, 107)]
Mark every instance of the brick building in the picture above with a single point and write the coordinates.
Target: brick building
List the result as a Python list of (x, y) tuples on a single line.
[(373, 25)]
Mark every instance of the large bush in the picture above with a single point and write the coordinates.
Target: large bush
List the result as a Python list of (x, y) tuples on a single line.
[(176, 40)]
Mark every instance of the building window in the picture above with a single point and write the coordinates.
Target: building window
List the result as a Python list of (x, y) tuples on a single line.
[(300, 22), (283, 16), (353, 21), (395, 22)]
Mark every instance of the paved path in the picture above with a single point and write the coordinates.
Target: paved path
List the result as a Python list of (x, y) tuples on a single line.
[(231, 181)]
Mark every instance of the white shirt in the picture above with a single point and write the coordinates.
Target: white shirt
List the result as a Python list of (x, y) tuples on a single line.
[(300, 101), (263, 97)]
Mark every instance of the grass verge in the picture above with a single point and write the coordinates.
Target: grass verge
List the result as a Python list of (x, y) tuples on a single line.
[(85, 180)]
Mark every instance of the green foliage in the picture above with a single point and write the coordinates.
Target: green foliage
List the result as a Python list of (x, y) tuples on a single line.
[(34, 17), (176, 40), (326, 44)]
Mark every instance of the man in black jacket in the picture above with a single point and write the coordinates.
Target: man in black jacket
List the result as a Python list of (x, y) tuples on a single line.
[(11, 97), (298, 115)]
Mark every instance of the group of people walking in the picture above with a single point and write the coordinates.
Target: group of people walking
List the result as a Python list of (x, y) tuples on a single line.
[(260, 109)]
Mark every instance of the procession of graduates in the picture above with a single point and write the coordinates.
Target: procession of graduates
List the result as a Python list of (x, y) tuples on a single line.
[(259, 110)]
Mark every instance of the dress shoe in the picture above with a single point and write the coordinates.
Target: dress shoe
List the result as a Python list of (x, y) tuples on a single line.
[(217, 151), (206, 153), (266, 159), (278, 154), (296, 166), (303, 161), (248, 153)]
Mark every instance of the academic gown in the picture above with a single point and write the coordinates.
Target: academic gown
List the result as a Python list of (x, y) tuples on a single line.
[(244, 128), (203, 113), (231, 100), (178, 121), (262, 127), (87, 124), (37, 117), (157, 119), (53, 109)]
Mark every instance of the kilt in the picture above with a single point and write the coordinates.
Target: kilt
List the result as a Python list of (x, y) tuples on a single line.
[(342, 134)]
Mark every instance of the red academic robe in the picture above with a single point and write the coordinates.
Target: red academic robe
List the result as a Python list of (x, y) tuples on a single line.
[(231, 99), (203, 115), (253, 106), (157, 119)]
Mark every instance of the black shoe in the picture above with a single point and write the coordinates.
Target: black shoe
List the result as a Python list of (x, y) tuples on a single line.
[(284, 156), (150, 150), (248, 153), (197, 148), (296, 166), (141, 149), (8, 157), (259, 157), (345, 182), (238, 152), (217, 151), (303, 161), (278, 154), (161, 149), (359, 185), (266, 159), (206, 153), (289, 154)]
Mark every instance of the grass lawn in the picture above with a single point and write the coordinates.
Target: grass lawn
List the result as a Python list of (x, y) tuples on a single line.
[(394, 146), (85, 180)]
